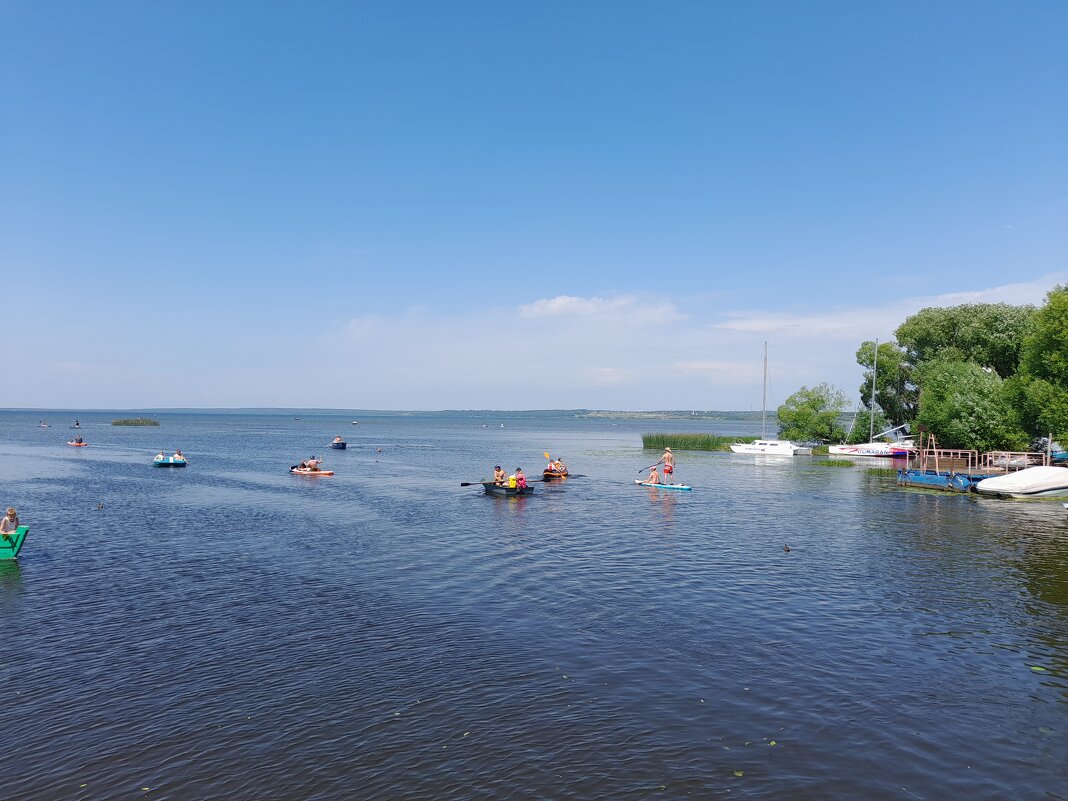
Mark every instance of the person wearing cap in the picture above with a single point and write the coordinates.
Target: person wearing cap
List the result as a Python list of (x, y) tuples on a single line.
[(668, 460), (499, 477)]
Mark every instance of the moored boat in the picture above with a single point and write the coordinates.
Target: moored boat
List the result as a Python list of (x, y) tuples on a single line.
[(170, 461), (682, 487), (498, 489), (771, 447), (339, 445), (299, 471), (888, 450), (1031, 482), (12, 544)]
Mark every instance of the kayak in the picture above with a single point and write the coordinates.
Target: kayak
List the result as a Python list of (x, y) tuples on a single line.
[(552, 475), (78, 444), (339, 445), (297, 471), (496, 489), (169, 461), (9, 548), (682, 487)]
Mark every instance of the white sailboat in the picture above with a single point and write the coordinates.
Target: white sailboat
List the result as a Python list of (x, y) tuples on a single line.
[(874, 446), (769, 447)]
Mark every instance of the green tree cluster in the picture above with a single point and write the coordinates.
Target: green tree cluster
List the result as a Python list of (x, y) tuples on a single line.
[(813, 414), (987, 376)]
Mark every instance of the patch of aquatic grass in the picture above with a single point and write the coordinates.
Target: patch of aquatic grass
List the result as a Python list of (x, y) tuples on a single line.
[(834, 462), (135, 421), (883, 471), (689, 442), (820, 450)]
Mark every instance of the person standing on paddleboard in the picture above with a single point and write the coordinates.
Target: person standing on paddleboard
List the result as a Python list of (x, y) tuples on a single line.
[(669, 463)]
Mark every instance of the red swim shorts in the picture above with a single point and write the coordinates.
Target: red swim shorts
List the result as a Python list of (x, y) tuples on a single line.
[(669, 469)]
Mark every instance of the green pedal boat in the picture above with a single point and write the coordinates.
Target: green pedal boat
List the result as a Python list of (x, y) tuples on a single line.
[(10, 547)]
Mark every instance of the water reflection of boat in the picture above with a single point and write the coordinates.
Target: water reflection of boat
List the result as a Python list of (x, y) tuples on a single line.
[(10, 546)]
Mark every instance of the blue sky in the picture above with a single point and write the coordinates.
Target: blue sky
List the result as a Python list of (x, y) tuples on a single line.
[(425, 205)]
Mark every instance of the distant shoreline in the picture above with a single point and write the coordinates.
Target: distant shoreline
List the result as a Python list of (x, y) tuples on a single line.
[(666, 414)]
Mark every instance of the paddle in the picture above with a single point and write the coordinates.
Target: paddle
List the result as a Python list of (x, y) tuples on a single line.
[(469, 483), (650, 467)]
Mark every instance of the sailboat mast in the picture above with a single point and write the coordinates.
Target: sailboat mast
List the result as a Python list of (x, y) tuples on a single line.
[(871, 408), (764, 397)]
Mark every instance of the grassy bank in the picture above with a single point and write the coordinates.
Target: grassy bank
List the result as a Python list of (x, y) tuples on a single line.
[(690, 442), (135, 421)]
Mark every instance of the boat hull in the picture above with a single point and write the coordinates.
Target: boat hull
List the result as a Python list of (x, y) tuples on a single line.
[(511, 492), (552, 475), (9, 548), (170, 461), (340, 446), (298, 472), (682, 487), (771, 447), (77, 444), (885, 450), (1033, 482)]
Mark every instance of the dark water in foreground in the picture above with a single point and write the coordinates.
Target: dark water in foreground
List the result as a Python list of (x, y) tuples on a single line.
[(231, 631)]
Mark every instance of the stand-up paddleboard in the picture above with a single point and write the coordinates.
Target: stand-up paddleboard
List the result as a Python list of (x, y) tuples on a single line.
[(682, 487), (297, 471), (78, 444)]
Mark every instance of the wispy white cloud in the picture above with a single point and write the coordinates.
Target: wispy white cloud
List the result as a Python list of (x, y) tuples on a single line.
[(634, 309)]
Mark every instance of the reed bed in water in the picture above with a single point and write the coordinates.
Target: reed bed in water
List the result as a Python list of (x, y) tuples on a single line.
[(135, 421), (690, 442), (834, 462), (882, 471)]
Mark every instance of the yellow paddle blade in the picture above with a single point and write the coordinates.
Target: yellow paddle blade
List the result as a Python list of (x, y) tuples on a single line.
[(547, 456)]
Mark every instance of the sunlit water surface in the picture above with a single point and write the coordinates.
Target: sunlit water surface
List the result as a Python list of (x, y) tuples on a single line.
[(229, 630)]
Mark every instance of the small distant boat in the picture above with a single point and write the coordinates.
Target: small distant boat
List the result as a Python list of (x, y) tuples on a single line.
[(339, 445), (78, 444), (682, 487), (497, 489), (43, 425), (1031, 482), (306, 472), (552, 475), (355, 422), (10, 547), (169, 461)]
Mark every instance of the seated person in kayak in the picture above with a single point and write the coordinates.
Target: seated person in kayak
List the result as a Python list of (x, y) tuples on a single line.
[(338, 439), (78, 439), (499, 478), (653, 477), (159, 456), (558, 465), (312, 463), (178, 455), (9, 525)]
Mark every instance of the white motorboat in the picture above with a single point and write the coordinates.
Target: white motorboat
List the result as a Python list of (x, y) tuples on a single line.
[(1031, 482), (771, 447), (886, 450)]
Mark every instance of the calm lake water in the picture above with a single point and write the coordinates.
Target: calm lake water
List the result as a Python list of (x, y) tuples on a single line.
[(229, 630)]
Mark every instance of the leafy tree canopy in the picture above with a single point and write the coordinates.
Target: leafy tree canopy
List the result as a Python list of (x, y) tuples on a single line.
[(813, 414), (989, 334), (1045, 348), (968, 406)]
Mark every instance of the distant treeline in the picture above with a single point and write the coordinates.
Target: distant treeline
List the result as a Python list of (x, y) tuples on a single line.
[(135, 421)]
